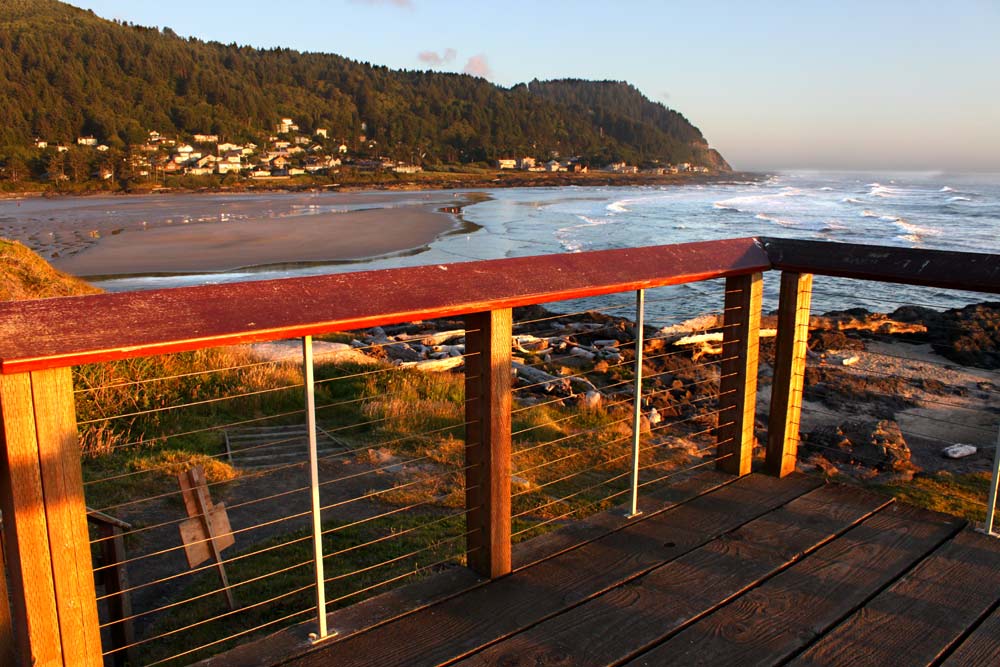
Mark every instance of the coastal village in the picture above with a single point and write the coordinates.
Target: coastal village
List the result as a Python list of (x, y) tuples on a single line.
[(288, 152)]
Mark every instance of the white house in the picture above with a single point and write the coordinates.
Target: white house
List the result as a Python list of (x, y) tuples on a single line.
[(342, 148), (206, 138), (285, 126), (232, 161), (526, 163), (39, 143), (86, 141), (323, 132), (507, 163)]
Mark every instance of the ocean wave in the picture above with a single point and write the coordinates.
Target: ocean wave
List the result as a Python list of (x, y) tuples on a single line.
[(946, 189), (881, 191), (959, 199), (777, 221), (826, 189), (618, 206), (869, 214), (913, 231), (851, 200), (721, 206)]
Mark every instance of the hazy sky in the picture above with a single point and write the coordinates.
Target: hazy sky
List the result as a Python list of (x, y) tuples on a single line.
[(891, 84)]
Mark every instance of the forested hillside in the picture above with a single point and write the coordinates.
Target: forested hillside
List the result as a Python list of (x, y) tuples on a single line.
[(65, 72)]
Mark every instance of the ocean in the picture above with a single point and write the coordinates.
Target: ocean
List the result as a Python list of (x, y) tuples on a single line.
[(922, 210)]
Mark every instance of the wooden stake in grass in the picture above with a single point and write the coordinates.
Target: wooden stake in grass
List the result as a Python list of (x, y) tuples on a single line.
[(207, 532)]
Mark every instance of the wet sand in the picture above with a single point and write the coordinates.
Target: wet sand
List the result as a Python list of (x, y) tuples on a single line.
[(225, 246)]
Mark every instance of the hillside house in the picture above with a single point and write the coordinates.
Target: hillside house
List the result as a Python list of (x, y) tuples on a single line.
[(206, 138), (507, 163), (323, 132), (232, 161), (86, 141), (526, 163), (285, 126)]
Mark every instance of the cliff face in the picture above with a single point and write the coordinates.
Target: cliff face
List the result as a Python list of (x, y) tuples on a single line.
[(114, 81)]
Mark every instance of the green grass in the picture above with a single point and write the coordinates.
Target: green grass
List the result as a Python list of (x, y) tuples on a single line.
[(962, 495), (408, 543)]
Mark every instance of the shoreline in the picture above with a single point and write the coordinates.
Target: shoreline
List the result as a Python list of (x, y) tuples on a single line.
[(429, 181), (219, 247)]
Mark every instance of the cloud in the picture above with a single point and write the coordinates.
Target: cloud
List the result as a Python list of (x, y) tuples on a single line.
[(435, 59), (404, 4), (478, 66)]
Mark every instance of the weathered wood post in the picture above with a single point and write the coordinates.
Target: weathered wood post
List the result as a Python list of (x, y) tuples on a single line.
[(49, 566), (488, 441), (789, 373), (738, 383)]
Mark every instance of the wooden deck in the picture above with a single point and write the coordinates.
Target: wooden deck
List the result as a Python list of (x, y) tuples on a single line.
[(719, 571)]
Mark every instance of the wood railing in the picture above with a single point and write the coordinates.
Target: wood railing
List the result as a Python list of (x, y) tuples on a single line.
[(48, 554)]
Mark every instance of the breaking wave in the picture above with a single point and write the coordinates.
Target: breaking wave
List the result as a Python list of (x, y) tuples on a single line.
[(777, 221)]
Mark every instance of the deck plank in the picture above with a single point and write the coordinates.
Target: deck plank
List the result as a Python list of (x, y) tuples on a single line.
[(917, 619), (624, 621), (456, 627), (771, 622), (287, 644), (981, 648)]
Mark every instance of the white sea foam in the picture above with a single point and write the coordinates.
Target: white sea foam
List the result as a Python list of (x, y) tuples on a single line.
[(881, 191), (947, 189), (959, 199), (869, 214), (826, 189), (851, 200), (618, 206), (720, 205), (777, 221), (915, 231)]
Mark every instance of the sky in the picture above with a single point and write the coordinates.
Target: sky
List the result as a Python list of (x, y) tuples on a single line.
[(882, 84)]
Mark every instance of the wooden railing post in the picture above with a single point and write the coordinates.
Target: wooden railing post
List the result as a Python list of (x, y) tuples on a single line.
[(789, 373), (738, 384), (488, 441), (45, 522)]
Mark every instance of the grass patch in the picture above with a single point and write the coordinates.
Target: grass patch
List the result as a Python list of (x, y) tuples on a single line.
[(960, 495), (405, 544)]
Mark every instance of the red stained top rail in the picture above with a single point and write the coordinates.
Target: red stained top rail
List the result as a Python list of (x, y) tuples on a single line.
[(51, 333)]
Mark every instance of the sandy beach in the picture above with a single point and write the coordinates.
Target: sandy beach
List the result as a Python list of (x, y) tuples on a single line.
[(211, 247), (162, 234)]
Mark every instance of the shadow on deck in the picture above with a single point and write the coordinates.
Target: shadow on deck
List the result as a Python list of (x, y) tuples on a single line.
[(716, 571)]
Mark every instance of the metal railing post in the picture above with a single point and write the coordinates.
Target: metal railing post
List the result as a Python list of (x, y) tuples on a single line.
[(991, 507), (317, 523), (640, 307)]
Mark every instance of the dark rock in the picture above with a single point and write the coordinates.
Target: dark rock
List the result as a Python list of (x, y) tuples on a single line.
[(873, 444)]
